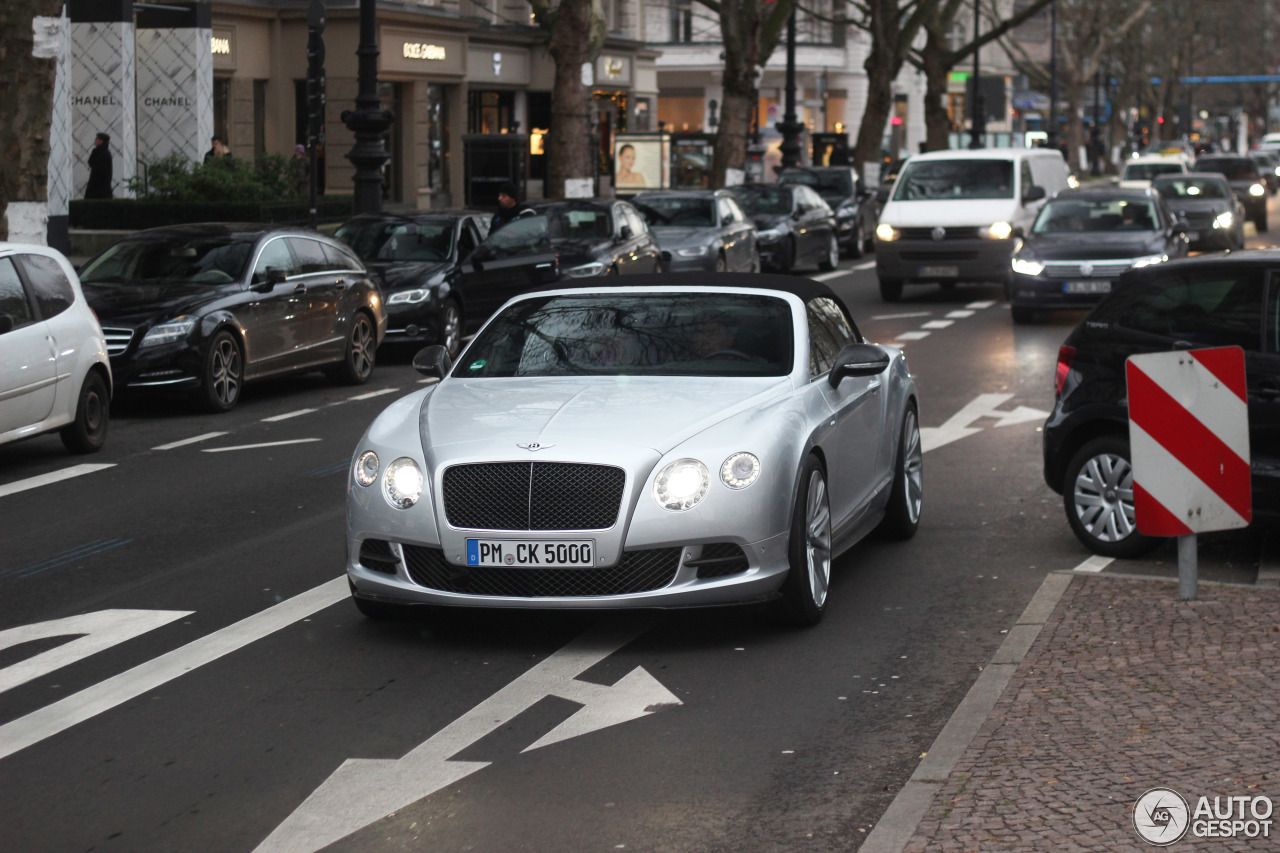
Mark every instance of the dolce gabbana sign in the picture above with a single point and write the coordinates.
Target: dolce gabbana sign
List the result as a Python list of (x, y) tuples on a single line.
[(416, 52)]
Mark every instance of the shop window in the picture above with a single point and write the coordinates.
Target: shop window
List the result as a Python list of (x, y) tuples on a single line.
[(391, 95), (491, 112), (437, 139)]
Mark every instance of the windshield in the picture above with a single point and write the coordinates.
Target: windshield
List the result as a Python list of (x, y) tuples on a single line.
[(653, 334), (760, 199), (399, 240), (1235, 168), (1192, 188), (200, 260), (837, 185), (955, 180), (1064, 216), (535, 232), (1147, 171), (663, 211)]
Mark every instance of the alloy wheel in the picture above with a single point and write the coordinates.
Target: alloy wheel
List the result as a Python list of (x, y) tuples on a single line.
[(817, 546), (1103, 497), (224, 371)]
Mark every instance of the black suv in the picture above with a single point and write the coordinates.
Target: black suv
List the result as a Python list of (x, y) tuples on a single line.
[(1206, 301)]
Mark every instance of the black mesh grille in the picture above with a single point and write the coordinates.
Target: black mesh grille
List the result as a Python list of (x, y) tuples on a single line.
[(965, 233), (721, 559), (533, 496), (639, 571), (376, 555)]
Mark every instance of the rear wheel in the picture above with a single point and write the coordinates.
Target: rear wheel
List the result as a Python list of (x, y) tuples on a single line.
[(1098, 495), (721, 264), (357, 360), (88, 432), (804, 592), (906, 497), (890, 289), (223, 376)]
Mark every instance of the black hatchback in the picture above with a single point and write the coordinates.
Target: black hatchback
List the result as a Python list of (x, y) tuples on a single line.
[(1207, 301), (201, 309)]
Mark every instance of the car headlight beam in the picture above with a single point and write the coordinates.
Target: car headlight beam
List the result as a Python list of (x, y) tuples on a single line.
[(1149, 260), (769, 234), (886, 232), (681, 485), (402, 483), (1257, 190), (1224, 220), (998, 231), (366, 470), (411, 297), (169, 331), (1027, 266), (595, 268), (740, 470)]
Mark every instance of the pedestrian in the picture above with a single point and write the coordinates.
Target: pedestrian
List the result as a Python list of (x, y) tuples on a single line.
[(840, 155), (301, 169), (99, 185), (217, 149), (508, 206)]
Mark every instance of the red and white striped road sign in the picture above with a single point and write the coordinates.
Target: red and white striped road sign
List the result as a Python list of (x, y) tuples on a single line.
[(1189, 441)]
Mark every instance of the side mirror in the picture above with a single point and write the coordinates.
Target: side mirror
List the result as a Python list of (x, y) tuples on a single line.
[(433, 361), (1032, 193), (858, 360), (6, 323), (266, 282)]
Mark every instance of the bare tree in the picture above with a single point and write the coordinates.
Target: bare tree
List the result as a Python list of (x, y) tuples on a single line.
[(26, 102), (576, 30)]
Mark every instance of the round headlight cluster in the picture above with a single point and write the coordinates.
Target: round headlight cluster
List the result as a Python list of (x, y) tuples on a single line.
[(681, 485), (366, 472), (740, 470), (402, 484)]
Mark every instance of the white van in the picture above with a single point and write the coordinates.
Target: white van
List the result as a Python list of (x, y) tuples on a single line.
[(956, 216)]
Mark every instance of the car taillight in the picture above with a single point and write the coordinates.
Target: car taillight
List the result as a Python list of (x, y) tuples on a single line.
[(1066, 355)]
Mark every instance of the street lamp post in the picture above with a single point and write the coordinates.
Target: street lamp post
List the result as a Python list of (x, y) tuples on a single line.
[(789, 127), (977, 126), (368, 121)]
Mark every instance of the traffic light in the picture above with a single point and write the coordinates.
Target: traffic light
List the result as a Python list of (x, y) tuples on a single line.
[(315, 73)]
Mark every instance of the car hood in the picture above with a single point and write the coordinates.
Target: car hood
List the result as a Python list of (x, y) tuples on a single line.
[(464, 417), (770, 220), (134, 304), (1075, 246), (952, 214), (397, 275), (1206, 205), (676, 237)]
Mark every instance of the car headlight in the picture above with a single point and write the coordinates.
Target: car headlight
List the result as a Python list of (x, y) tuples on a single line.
[(411, 297), (168, 332), (1148, 260), (1224, 220), (769, 234), (1257, 189), (402, 484), (847, 210), (1027, 266), (1278, 171), (1073, 182), (595, 268), (681, 485), (997, 231), (887, 232), (740, 470), (366, 471), (695, 252)]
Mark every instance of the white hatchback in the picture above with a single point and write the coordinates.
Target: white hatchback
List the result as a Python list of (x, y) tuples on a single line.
[(54, 370)]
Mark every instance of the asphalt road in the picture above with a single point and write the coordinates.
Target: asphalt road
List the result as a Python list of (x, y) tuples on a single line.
[(181, 669)]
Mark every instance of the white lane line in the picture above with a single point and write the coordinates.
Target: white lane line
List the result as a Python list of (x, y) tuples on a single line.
[(1094, 564), (936, 324), (370, 395), (52, 719), (979, 305), (959, 315), (287, 415), (256, 446), (912, 336), (913, 314), (428, 380), (195, 438), (865, 265), (51, 477), (827, 276)]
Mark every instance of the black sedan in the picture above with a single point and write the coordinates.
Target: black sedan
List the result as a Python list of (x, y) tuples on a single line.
[(1246, 181), (418, 257), (1082, 240), (204, 308), (1204, 199), (855, 206), (794, 226), (1211, 300), (554, 240), (700, 230)]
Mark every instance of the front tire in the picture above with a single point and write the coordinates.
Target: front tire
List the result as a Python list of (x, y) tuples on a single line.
[(906, 497), (890, 289), (88, 432), (804, 592), (1097, 493), (358, 358), (223, 376), (451, 327), (857, 244), (832, 258)]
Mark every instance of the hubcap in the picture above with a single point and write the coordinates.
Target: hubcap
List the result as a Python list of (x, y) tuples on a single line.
[(817, 545), (361, 337), (912, 466), (93, 412), (225, 372), (1103, 497)]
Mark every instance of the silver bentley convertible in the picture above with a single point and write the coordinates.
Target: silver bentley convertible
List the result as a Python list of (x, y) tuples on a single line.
[(652, 443)]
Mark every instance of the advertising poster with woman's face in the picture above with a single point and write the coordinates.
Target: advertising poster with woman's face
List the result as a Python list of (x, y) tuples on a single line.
[(638, 164)]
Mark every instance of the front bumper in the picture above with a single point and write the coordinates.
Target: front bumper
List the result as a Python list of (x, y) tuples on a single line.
[(975, 260), (775, 255), (1042, 291), (410, 323), (174, 366)]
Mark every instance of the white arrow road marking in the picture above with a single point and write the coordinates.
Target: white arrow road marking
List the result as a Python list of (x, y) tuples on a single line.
[(983, 406), (52, 477), (363, 791), (96, 631)]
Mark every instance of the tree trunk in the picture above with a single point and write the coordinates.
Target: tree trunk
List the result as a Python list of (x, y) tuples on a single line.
[(880, 74), (26, 102), (740, 33), (936, 69), (577, 34)]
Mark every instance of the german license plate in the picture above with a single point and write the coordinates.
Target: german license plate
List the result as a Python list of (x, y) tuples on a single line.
[(1091, 286), (542, 553), (939, 272)]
